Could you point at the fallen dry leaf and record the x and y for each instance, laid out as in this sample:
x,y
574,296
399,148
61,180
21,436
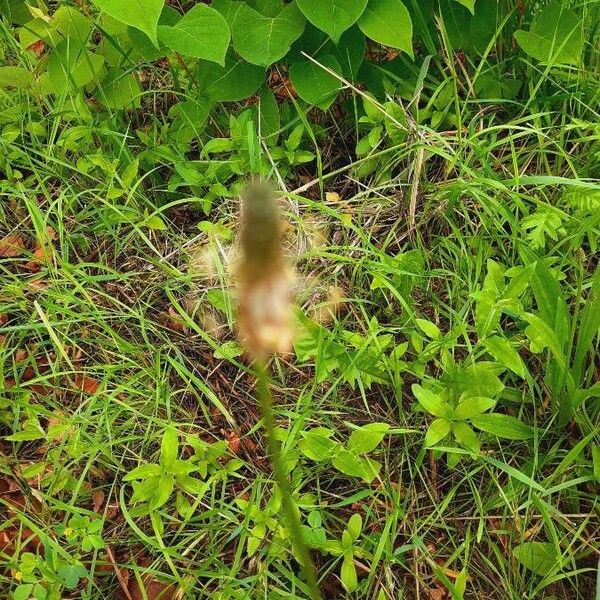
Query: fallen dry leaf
x,y
43,251
234,440
98,497
438,594
175,321
37,47
20,355
154,590
12,245
86,384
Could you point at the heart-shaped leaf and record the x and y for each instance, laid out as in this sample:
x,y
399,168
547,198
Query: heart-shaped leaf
x,y
264,40
201,33
389,23
332,16
141,14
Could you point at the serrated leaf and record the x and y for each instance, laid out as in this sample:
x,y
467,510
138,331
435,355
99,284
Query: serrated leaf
x,y
542,224
201,33
503,426
332,16
141,14
313,83
438,429
264,40
367,438
389,23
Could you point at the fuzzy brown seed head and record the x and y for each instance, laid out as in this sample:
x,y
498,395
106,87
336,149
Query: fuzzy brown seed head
x,y
263,276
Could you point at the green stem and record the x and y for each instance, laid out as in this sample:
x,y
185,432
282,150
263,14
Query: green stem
x,y
266,403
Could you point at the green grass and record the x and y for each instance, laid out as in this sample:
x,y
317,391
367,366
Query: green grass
x,y
125,333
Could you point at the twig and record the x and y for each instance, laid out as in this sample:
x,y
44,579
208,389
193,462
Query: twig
x,y
120,578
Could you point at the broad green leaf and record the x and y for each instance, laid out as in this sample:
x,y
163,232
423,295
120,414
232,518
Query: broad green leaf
x,y
470,407
470,4
235,80
71,574
70,23
26,435
350,52
120,90
169,448
539,557
316,444
23,591
501,349
351,464
143,45
268,117
555,36
201,33
332,16
431,330
478,379
354,526
388,22
313,83
143,472
15,11
141,14
348,573
503,426
190,119
438,429
367,438
16,77
163,491
465,436
543,336
71,64
431,402
264,40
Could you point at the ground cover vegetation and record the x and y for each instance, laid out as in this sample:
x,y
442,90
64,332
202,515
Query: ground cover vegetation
x,y
439,169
